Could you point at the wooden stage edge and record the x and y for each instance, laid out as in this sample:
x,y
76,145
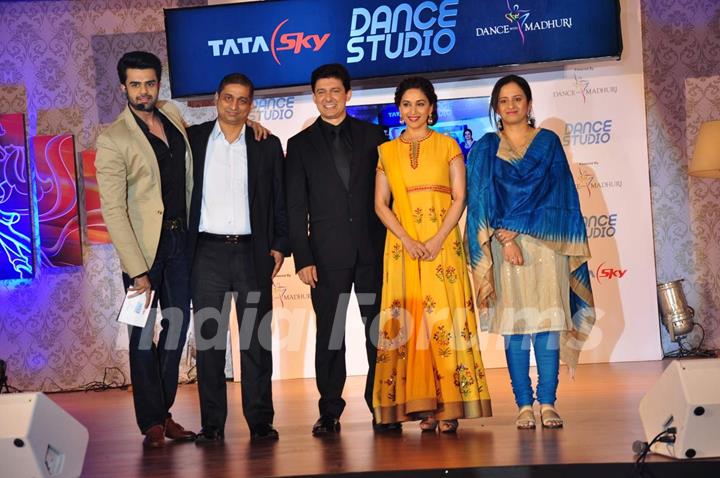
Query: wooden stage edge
x,y
600,408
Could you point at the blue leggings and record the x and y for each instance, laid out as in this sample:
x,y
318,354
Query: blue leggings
x,y
547,356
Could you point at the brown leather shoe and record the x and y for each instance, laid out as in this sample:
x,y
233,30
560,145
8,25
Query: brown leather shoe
x,y
154,437
175,431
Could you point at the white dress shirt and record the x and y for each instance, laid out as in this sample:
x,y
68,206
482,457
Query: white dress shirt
x,y
225,205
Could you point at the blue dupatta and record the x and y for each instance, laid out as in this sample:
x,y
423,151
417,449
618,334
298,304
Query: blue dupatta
x,y
533,195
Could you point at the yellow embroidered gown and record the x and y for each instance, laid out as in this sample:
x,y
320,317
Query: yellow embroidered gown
x,y
428,359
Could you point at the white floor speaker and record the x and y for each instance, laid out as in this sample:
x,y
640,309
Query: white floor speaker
x,y
687,397
38,439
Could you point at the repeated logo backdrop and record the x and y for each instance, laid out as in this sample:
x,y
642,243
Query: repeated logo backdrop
x,y
598,111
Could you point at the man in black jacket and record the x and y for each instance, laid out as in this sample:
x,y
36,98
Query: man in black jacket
x,y
336,239
237,240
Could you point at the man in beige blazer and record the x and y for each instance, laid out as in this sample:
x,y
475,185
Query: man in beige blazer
x,y
144,174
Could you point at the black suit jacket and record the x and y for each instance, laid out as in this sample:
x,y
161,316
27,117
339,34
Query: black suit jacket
x,y
330,226
268,216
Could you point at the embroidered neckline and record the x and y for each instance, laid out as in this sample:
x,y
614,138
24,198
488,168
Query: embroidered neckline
x,y
410,141
415,147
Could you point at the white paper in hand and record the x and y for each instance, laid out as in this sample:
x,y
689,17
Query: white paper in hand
x,y
133,311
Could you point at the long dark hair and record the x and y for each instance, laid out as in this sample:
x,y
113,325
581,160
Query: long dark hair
x,y
495,98
422,84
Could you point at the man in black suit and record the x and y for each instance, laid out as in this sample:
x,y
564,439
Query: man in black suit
x,y
238,241
336,239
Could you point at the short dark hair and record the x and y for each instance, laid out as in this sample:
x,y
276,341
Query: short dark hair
x,y
332,70
141,60
495,97
422,84
236,79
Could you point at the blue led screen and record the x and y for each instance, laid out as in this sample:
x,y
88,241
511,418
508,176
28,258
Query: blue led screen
x,y
278,43
463,119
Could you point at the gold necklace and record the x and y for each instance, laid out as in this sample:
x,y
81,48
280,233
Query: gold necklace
x,y
524,145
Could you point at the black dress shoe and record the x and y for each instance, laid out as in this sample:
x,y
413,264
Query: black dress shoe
x,y
263,432
209,436
326,426
386,427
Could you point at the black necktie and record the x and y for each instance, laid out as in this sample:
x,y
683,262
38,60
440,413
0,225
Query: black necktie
x,y
341,155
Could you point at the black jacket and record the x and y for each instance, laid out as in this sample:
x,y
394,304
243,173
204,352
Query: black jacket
x,y
332,227
268,216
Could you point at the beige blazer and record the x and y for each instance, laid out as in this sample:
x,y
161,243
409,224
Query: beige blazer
x,y
128,178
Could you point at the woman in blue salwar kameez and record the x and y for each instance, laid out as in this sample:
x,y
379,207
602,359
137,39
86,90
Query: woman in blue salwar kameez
x,y
528,249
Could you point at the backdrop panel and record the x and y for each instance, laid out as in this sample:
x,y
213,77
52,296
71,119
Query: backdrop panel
x,y
598,110
57,199
96,230
16,245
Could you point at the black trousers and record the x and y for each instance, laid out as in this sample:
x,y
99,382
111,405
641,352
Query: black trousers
x,y
219,271
330,299
154,368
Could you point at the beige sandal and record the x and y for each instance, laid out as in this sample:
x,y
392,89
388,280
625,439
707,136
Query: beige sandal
x,y
550,417
428,424
525,419
448,426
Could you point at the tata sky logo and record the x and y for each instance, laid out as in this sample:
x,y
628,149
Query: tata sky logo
x,y
601,226
582,88
604,273
390,32
272,109
518,20
586,181
293,42
587,133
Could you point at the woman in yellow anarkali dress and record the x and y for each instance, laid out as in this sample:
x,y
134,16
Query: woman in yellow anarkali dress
x,y
428,364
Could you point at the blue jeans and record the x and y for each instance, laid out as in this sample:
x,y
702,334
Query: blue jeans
x,y
547,357
154,368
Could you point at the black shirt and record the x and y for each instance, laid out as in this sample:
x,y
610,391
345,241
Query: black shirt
x,y
171,160
345,133
339,141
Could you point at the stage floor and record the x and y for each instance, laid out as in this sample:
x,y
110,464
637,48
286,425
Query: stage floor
x,y
599,407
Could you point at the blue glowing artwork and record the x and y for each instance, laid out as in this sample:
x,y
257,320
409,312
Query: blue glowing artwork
x,y
16,256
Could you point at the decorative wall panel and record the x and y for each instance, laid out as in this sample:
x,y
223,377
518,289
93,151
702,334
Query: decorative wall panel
x,y
57,200
681,42
16,245
96,232
59,330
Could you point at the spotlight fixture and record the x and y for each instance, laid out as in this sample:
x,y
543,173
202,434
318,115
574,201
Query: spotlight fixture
x,y
676,314
677,317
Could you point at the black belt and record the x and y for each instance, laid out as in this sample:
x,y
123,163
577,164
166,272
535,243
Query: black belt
x,y
226,238
173,224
